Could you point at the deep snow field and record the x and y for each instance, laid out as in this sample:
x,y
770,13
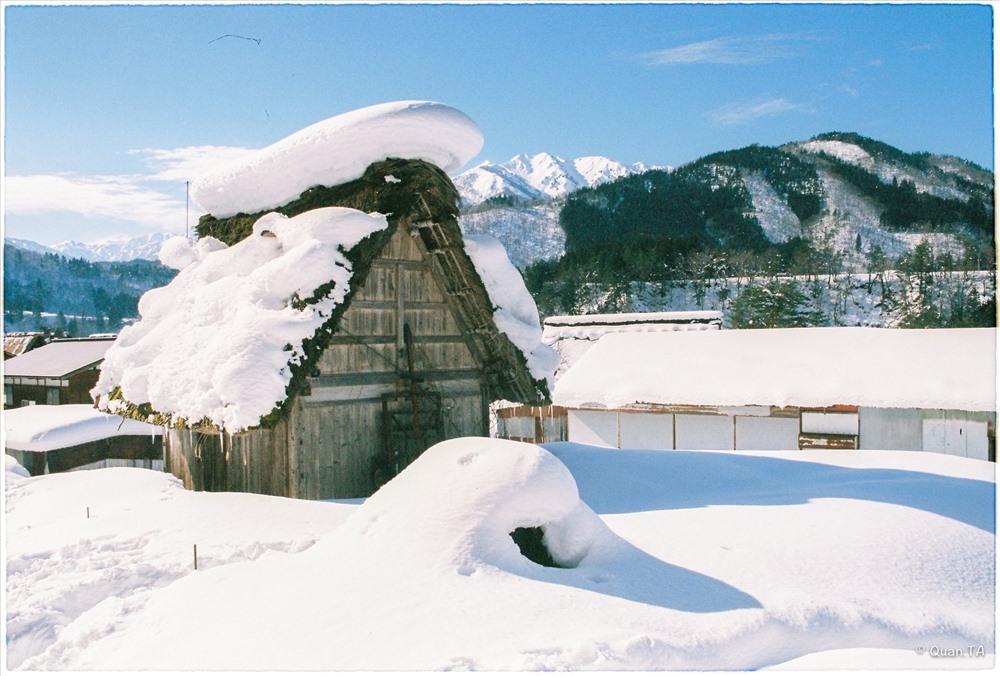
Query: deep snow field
x,y
673,560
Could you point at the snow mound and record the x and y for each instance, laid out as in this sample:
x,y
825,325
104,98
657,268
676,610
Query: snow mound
x,y
338,150
216,343
516,314
46,428
483,490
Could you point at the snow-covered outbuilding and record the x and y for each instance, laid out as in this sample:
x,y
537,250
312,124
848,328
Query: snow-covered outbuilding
x,y
49,439
60,372
19,342
331,322
783,389
571,336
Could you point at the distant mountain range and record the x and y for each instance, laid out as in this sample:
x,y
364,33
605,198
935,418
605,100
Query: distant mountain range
x,y
538,177
839,191
115,250
839,196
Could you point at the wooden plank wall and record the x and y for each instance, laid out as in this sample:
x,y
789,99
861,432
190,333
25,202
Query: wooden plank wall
x,y
133,450
333,434
337,429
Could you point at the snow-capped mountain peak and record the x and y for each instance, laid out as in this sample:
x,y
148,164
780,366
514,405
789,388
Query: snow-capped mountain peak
x,y
121,248
118,249
539,176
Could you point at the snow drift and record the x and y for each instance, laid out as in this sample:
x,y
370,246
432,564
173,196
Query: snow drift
x,y
746,560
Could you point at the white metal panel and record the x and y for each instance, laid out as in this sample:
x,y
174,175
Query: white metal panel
x,y
519,426
952,433
977,440
597,428
704,432
767,434
890,429
829,423
646,430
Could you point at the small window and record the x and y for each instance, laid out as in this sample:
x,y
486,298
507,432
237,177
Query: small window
x,y
8,395
52,396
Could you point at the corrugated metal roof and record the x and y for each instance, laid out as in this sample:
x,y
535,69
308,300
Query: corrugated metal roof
x,y
59,358
15,344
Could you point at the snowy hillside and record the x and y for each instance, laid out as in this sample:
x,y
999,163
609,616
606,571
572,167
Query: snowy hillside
x,y
538,177
821,558
28,245
529,233
528,192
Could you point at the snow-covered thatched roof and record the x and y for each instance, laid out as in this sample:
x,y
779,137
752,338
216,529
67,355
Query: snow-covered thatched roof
x,y
231,340
894,368
338,150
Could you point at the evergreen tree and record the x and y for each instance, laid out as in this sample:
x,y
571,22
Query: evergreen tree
x,y
777,303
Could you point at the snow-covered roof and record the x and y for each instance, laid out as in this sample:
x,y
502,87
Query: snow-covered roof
x,y
47,428
574,335
58,359
223,342
15,344
894,368
217,342
636,318
516,314
338,150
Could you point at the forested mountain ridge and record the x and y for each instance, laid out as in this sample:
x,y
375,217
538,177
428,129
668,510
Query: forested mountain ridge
x,y
838,192
73,296
757,196
831,206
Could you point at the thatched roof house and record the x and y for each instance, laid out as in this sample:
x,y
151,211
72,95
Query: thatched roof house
x,y
403,343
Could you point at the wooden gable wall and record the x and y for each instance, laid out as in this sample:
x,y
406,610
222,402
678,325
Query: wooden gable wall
x,y
333,435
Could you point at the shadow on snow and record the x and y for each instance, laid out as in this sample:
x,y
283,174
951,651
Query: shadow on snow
x,y
613,481
634,575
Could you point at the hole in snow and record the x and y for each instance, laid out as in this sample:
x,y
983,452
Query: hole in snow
x,y
530,540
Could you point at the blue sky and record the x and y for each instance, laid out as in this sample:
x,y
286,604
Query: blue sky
x,y
109,109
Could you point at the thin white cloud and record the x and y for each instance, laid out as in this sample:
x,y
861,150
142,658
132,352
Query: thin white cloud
x,y
117,198
730,50
152,201
744,112
187,164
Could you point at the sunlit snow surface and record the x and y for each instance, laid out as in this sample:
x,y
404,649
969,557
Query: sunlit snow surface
x,y
338,150
678,560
